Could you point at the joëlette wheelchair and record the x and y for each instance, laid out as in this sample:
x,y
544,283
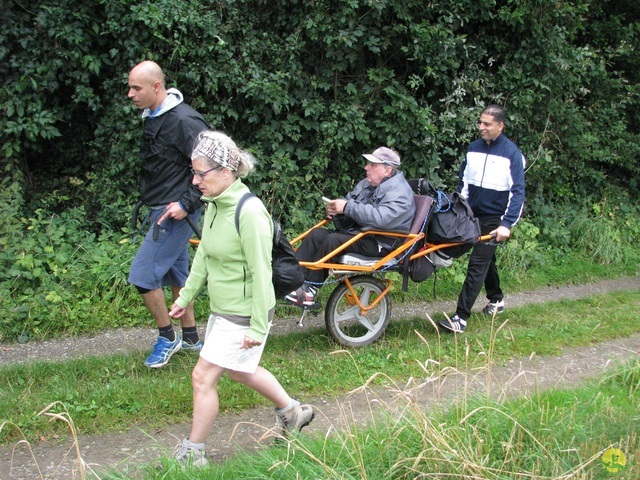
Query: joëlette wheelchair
x,y
359,308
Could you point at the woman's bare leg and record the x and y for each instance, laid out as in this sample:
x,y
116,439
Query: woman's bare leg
x,y
204,378
263,382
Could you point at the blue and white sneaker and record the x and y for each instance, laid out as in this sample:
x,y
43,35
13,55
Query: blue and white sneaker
x,y
163,351
192,347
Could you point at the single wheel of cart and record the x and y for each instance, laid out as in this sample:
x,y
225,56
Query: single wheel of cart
x,y
358,310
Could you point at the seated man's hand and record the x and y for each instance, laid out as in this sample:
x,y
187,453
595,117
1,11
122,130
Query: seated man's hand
x,y
336,207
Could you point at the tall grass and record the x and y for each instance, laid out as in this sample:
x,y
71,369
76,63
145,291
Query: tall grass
x,y
597,237
482,433
558,434
56,412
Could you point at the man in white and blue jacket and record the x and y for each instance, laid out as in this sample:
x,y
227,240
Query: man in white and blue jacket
x,y
492,181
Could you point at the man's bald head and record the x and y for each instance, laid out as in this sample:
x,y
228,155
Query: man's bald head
x,y
146,85
150,71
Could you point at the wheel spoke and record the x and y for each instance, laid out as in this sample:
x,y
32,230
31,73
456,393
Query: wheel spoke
x,y
354,313
364,298
364,321
348,314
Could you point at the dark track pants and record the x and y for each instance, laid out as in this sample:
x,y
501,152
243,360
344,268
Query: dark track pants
x,y
481,270
321,241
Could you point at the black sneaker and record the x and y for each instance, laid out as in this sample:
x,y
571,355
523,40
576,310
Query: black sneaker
x,y
454,324
493,308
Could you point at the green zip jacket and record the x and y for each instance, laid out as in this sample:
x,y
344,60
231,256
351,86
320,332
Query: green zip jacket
x,y
236,268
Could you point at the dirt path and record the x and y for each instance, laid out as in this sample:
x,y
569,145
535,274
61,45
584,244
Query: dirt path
x,y
125,451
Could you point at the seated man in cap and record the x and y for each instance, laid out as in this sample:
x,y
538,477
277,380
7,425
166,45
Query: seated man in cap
x,y
383,200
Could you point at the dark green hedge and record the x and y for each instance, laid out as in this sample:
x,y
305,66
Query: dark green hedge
x,y
309,86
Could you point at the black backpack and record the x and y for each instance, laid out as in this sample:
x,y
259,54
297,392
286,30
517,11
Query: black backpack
x,y
453,220
454,223
287,274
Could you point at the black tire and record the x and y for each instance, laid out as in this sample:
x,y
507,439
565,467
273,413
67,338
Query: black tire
x,y
343,319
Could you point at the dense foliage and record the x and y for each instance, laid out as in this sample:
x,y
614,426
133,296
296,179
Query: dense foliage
x,y
308,87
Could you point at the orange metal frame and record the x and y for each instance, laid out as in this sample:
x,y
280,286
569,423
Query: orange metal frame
x,y
345,270
353,297
324,261
410,241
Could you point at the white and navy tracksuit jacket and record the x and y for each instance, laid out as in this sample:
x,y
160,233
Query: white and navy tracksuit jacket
x,y
492,180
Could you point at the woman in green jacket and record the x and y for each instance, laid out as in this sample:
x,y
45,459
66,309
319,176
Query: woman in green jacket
x,y
237,269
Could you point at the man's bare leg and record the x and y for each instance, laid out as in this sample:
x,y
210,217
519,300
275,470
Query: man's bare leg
x,y
156,303
188,319
191,340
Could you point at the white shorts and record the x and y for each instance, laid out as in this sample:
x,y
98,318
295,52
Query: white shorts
x,y
222,344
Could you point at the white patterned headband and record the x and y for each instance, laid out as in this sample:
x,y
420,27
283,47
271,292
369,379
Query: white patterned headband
x,y
215,151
